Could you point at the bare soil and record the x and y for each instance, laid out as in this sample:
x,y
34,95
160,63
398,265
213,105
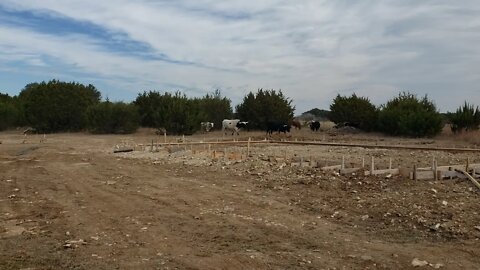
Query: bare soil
x,y
69,202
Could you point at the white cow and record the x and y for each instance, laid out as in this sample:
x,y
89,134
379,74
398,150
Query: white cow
x,y
228,124
206,126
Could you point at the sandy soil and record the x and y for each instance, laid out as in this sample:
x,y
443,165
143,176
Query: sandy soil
x,y
69,202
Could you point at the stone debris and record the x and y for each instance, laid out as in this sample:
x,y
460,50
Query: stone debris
x,y
418,263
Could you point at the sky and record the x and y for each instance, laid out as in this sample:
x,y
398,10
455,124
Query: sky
x,y
312,50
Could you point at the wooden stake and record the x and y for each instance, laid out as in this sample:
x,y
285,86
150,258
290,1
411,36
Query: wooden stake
x,y
248,146
415,172
363,162
434,168
390,164
372,166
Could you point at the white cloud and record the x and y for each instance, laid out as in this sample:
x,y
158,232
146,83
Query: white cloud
x,y
310,49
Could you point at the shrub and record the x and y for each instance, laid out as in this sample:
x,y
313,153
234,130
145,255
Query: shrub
x,y
465,118
176,113
406,115
57,106
265,106
9,115
113,118
358,111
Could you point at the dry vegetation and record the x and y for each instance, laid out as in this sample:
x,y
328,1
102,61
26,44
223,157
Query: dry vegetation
x,y
70,203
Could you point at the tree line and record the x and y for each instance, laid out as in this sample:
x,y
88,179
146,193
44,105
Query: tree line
x,y
57,106
403,115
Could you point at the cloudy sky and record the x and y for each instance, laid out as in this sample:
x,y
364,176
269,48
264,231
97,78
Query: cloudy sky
x,y
311,49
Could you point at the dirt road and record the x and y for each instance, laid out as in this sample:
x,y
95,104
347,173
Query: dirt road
x,y
70,203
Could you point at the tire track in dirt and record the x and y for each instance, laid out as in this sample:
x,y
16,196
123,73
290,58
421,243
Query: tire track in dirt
x,y
172,216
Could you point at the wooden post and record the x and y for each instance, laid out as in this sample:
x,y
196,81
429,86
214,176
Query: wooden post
x,y
372,166
248,146
434,168
415,172
390,164
225,153
301,161
343,162
363,162
285,155
165,137
151,147
214,153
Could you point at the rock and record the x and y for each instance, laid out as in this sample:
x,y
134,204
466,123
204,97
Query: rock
x,y
435,227
366,257
365,217
477,227
417,263
437,265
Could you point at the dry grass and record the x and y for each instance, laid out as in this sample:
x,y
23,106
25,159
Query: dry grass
x,y
470,137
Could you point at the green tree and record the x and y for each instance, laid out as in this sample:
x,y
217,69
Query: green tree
x,y
174,112
265,106
58,106
9,113
113,118
214,108
406,115
465,118
358,111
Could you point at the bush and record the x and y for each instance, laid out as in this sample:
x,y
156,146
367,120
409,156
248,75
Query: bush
x,y
465,118
57,106
265,106
9,115
113,118
406,115
358,111
214,108
176,113
11,112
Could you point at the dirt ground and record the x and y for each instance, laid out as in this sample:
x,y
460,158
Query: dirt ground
x,y
69,202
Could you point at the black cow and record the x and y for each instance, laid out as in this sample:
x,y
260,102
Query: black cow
x,y
314,125
243,125
279,127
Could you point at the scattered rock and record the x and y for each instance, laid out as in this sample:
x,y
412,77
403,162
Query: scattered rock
x,y
418,263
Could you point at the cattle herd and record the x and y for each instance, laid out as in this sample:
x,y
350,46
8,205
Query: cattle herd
x,y
235,125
